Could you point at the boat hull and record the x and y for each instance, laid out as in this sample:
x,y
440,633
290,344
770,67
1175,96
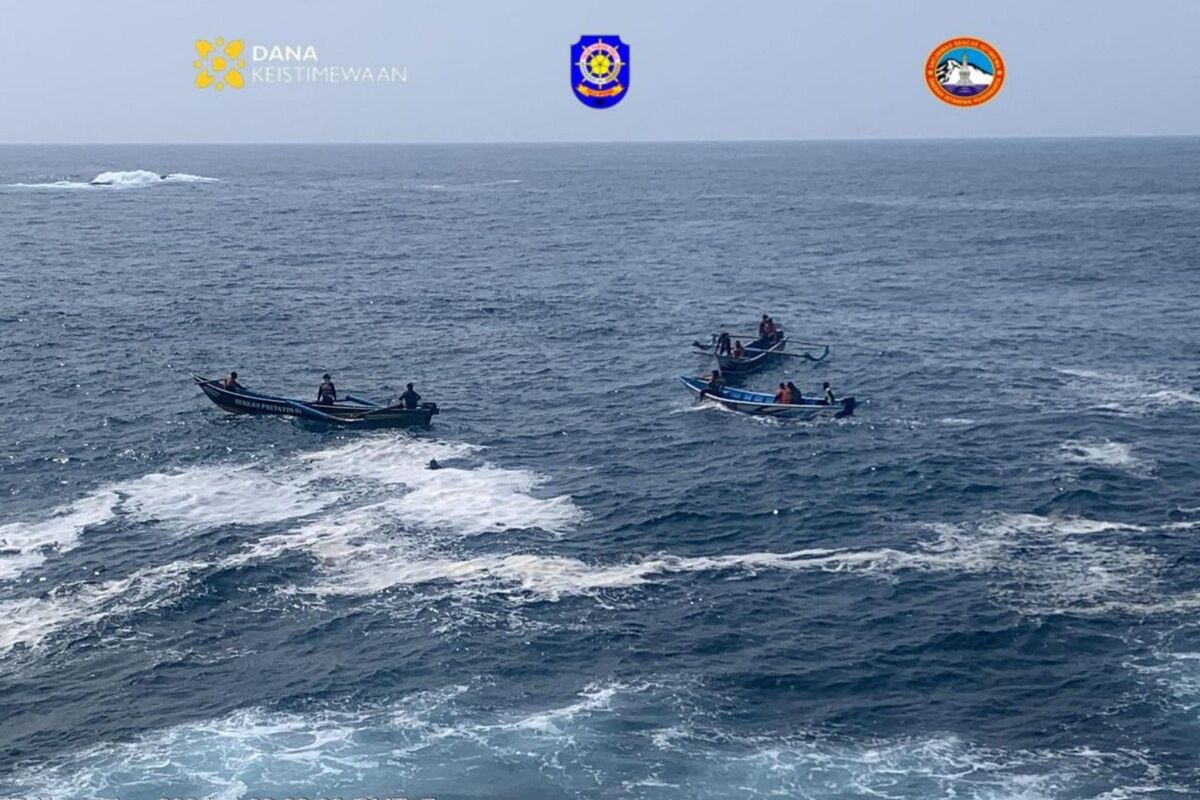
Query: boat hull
x,y
764,405
357,413
736,367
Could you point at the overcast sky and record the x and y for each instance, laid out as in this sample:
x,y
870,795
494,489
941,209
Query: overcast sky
x,y
121,70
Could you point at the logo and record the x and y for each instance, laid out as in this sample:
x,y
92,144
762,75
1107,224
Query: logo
x,y
964,72
219,64
234,64
600,70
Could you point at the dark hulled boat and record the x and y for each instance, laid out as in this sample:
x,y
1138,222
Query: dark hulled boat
x,y
348,411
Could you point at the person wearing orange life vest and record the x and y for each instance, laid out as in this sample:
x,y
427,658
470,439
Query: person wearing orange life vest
x,y
784,396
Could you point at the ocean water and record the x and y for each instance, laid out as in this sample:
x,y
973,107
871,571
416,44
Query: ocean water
x,y
984,585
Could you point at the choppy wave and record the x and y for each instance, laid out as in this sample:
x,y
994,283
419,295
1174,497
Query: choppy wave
x,y
120,179
1102,453
446,742
1127,394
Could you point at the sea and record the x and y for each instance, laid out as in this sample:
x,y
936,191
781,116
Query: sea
x,y
985,584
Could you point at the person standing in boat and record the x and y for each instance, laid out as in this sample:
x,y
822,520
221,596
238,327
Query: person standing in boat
x,y
783,397
326,393
410,398
231,383
723,346
827,396
796,396
715,385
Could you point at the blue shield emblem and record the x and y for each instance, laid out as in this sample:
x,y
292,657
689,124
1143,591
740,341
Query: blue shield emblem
x,y
600,70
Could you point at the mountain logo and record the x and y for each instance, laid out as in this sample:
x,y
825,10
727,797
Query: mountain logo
x,y
964,72
600,70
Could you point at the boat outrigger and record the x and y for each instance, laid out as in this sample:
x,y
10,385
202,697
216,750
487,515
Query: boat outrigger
x,y
350,410
763,404
759,354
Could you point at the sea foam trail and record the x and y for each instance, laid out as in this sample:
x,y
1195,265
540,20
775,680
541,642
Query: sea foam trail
x,y
206,497
457,500
553,577
448,738
1130,395
1036,565
31,621
1102,453
121,179
467,501
24,546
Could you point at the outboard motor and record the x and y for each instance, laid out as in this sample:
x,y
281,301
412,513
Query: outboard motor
x,y
431,406
848,405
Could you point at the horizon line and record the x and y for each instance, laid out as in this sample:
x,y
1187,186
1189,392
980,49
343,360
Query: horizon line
x,y
765,140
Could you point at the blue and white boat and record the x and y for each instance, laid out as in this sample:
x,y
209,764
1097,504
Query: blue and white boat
x,y
763,404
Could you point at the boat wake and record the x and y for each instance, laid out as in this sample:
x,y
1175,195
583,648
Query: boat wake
x,y
121,179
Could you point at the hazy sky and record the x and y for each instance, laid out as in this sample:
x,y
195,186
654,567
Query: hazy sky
x,y
121,71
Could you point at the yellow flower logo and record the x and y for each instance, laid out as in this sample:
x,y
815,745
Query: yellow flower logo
x,y
219,64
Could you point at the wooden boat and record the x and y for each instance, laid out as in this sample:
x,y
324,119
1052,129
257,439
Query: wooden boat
x,y
759,354
348,411
764,404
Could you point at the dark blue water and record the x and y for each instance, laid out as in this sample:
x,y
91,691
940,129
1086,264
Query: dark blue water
x,y
984,585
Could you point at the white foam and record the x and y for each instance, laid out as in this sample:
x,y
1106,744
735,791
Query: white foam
x,y
217,495
1103,453
467,501
574,748
23,546
1130,395
1048,565
379,569
30,622
120,179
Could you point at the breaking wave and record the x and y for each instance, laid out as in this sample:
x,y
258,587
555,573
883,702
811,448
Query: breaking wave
x,y
120,179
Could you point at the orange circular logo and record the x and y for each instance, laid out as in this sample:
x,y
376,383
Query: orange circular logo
x,y
964,71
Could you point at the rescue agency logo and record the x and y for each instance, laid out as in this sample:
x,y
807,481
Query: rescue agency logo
x,y
600,70
964,72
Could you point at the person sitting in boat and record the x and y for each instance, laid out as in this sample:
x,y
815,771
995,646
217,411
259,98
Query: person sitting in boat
x,y
738,350
723,346
796,396
326,393
231,383
773,333
784,396
410,398
715,385
768,334
827,396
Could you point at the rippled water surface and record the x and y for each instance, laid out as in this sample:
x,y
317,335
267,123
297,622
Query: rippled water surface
x,y
984,585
